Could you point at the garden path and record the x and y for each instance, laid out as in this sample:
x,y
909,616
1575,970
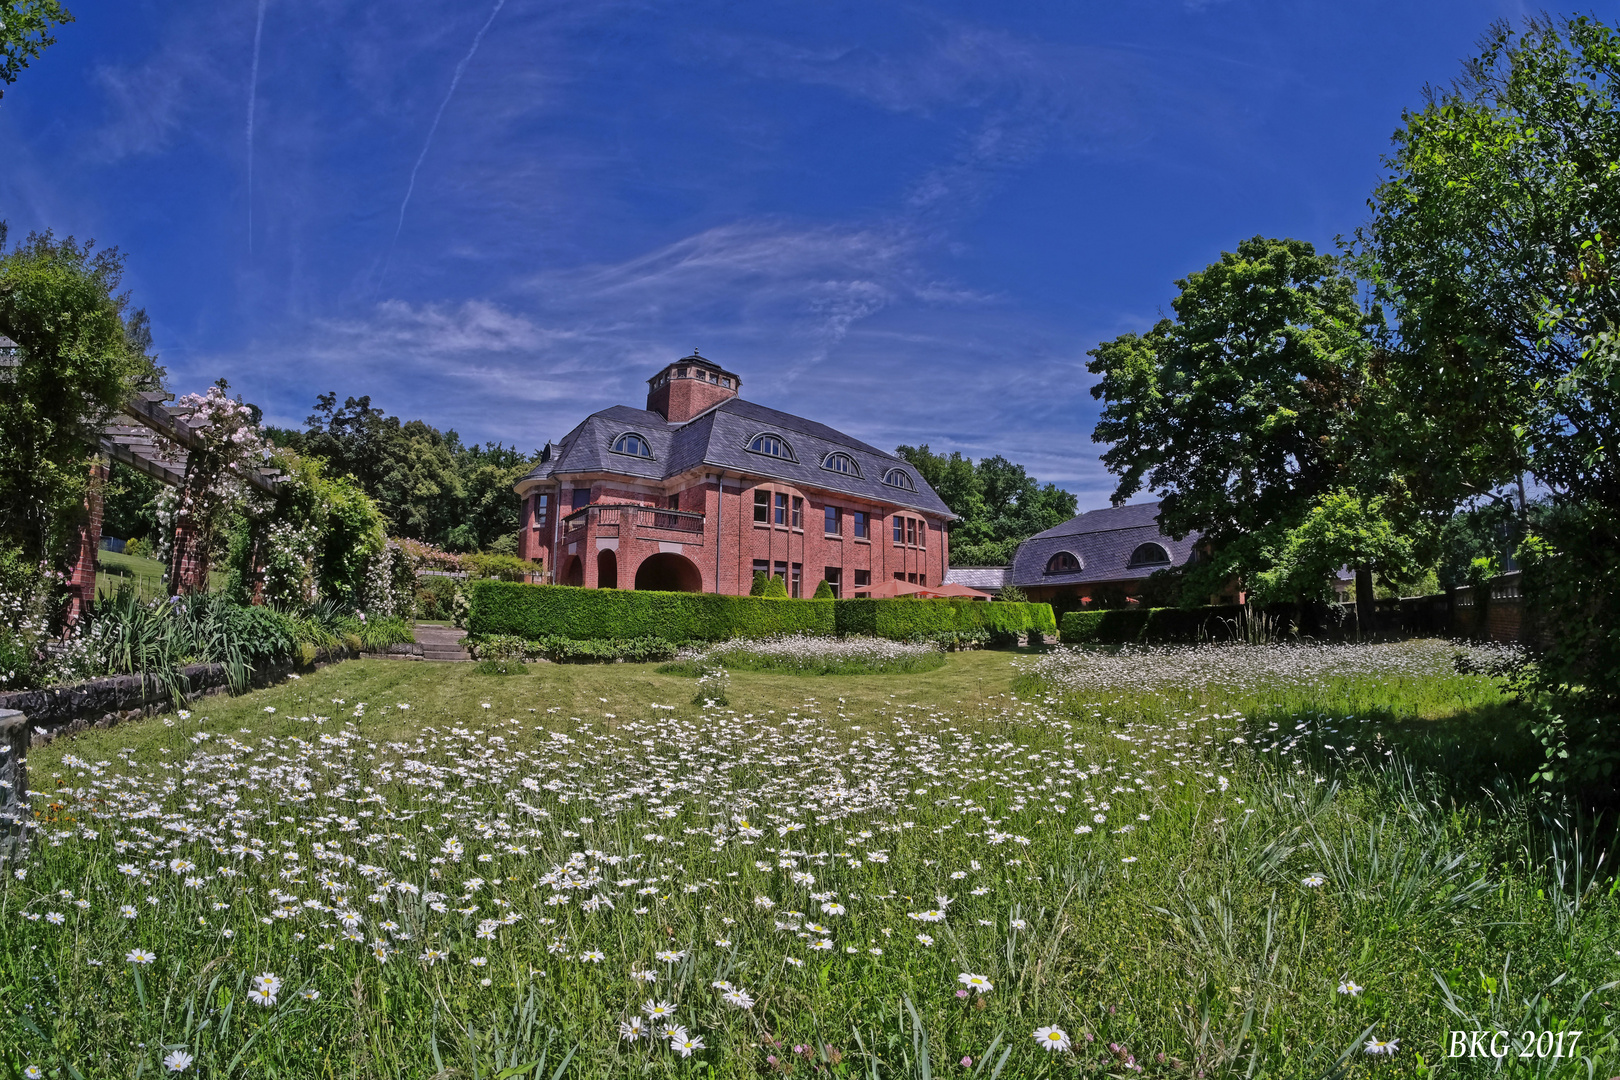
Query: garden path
x,y
441,642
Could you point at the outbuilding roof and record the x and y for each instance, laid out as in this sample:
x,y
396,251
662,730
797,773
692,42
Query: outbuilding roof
x,y
719,437
1102,543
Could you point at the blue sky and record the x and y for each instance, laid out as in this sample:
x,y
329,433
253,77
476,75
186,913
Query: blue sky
x,y
908,221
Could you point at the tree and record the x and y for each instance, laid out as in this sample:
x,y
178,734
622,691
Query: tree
x,y
25,32
998,505
1241,412
823,591
82,354
1492,241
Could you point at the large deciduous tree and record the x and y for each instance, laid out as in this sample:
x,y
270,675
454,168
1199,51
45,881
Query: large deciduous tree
x,y
82,353
25,32
1241,413
1493,242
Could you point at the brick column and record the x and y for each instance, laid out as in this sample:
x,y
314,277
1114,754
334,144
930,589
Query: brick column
x,y
87,540
188,563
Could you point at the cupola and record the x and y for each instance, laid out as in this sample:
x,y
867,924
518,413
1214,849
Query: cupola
x,y
690,386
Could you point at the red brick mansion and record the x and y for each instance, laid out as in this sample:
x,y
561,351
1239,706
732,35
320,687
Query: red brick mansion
x,y
701,489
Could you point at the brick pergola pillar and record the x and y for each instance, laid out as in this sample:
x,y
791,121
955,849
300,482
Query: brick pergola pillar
x,y
188,563
87,541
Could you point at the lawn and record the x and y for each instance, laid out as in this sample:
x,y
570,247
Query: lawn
x,y
1219,862
145,576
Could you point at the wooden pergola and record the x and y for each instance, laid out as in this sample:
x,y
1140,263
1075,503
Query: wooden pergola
x,y
152,438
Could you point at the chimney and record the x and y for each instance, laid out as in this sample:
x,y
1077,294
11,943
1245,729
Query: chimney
x,y
690,386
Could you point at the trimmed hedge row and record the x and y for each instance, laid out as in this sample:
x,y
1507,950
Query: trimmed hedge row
x,y
1138,626
538,611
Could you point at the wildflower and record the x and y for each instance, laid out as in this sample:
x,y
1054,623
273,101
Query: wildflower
x,y
1380,1046
594,956
1350,987
1019,924
975,982
264,989
1052,1038
178,1061
309,993
684,1044
632,1029
738,998
34,1072
925,939
55,918
793,961
658,1010
128,911
140,956
822,945
1314,881
670,956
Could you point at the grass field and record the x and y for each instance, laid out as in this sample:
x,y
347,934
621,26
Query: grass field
x,y
1226,862
145,576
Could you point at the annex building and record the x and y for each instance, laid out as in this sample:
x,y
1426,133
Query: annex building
x,y
701,489
1114,550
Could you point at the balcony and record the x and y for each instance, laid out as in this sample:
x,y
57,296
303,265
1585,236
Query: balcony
x,y
627,519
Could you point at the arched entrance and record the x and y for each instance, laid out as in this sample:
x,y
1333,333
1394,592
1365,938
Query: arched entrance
x,y
607,569
573,571
668,572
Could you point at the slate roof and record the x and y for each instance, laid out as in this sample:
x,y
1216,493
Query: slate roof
x,y
719,437
1103,541
988,578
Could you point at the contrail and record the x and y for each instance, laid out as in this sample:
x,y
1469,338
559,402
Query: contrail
x,y
455,80
253,97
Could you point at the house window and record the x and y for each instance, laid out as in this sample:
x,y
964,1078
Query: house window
x,y
834,526
1148,554
911,531
899,530
781,508
632,444
796,589
762,507
798,512
771,446
911,579
899,478
833,576
841,463
1064,562
859,517
863,579
579,497
542,507
899,575
674,502
781,572
922,579
762,566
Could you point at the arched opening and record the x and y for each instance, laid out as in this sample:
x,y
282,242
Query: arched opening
x,y
573,571
607,569
1064,562
1150,554
668,572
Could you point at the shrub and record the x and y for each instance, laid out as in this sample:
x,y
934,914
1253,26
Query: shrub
x,y
1119,626
823,591
435,597
538,611
761,583
498,566
775,589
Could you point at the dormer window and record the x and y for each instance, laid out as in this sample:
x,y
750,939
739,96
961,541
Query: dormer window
x,y
1064,562
1150,554
771,446
632,444
899,478
841,463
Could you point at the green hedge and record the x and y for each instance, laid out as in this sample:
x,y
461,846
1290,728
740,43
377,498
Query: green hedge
x,y
538,611
1149,625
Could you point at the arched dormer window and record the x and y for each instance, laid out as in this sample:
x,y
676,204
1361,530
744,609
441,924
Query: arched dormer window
x,y
841,463
899,478
632,444
771,446
1150,554
1064,562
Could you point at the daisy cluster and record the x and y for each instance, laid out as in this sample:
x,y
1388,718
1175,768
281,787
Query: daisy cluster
x,y
680,882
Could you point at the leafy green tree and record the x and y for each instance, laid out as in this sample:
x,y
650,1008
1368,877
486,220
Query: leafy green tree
x,y
25,32
1241,411
997,503
1493,242
81,356
760,585
1340,529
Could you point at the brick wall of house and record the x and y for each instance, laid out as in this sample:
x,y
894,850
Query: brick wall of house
x,y
724,554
